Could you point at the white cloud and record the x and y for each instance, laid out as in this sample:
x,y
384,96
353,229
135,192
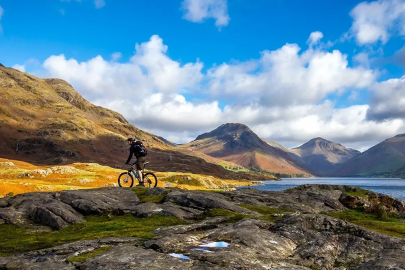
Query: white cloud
x,y
388,101
284,95
116,56
376,21
149,70
285,77
19,67
314,38
348,126
198,10
31,63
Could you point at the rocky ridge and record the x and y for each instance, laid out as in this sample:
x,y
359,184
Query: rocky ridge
x,y
302,237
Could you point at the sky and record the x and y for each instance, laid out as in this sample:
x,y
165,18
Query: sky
x,y
291,70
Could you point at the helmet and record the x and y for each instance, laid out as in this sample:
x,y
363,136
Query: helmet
x,y
130,139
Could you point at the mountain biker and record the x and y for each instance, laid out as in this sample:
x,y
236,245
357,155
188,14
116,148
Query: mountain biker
x,y
139,150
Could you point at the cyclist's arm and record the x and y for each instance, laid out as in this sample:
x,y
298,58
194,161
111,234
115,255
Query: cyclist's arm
x,y
131,153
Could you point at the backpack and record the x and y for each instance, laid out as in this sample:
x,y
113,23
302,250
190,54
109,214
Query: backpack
x,y
140,149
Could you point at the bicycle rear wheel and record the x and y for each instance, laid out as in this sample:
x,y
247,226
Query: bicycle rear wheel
x,y
125,180
150,180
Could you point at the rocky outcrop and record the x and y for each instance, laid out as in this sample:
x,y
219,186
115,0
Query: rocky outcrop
x,y
59,209
303,238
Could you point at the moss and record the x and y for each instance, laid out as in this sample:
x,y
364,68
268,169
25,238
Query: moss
x,y
359,192
140,192
231,217
14,239
182,180
83,257
265,210
392,226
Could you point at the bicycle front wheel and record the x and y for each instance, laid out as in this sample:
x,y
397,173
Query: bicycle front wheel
x,y
125,180
150,180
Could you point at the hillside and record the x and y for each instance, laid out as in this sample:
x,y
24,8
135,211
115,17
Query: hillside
x,y
322,156
386,159
45,122
237,143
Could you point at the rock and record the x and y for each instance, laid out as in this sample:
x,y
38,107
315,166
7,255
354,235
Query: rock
x,y
56,215
59,209
98,201
156,191
305,199
7,164
56,257
304,239
166,209
67,170
42,173
130,257
205,201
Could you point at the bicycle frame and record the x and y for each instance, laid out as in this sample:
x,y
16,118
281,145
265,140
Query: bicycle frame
x,y
133,170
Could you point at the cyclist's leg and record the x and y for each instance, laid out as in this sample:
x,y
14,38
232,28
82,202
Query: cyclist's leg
x,y
138,164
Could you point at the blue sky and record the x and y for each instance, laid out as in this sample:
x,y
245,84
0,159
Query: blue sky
x,y
289,69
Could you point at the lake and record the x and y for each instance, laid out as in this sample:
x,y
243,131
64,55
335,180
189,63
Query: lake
x,y
390,186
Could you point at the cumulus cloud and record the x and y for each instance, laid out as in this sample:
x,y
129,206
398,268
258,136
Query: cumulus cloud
x,y
377,20
287,76
148,71
282,96
314,38
198,10
348,126
116,56
388,101
19,67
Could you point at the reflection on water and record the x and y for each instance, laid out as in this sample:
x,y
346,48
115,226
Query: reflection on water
x,y
215,244
390,186
180,256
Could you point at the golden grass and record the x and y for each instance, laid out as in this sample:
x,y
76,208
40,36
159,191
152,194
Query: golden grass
x,y
24,177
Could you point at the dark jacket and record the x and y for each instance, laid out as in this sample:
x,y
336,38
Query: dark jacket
x,y
136,150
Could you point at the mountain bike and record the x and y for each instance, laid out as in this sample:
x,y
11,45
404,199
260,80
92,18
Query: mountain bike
x,y
126,179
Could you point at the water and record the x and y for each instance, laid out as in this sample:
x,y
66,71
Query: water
x,y
390,186
179,255
215,244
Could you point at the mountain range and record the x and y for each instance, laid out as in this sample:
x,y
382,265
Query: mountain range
x,y
237,143
45,121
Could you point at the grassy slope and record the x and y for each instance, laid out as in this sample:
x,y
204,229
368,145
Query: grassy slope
x,y
24,177
386,159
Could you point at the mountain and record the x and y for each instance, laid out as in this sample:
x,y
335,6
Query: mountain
x,y
237,143
322,156
45,122
386,159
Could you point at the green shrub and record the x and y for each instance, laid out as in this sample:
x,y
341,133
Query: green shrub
x,y
392,226
182,180
14,239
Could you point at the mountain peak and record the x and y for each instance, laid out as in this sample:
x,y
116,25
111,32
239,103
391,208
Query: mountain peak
x,y
322,155
234,129
320,142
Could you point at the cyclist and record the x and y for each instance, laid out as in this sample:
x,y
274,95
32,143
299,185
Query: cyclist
x,y
138,149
